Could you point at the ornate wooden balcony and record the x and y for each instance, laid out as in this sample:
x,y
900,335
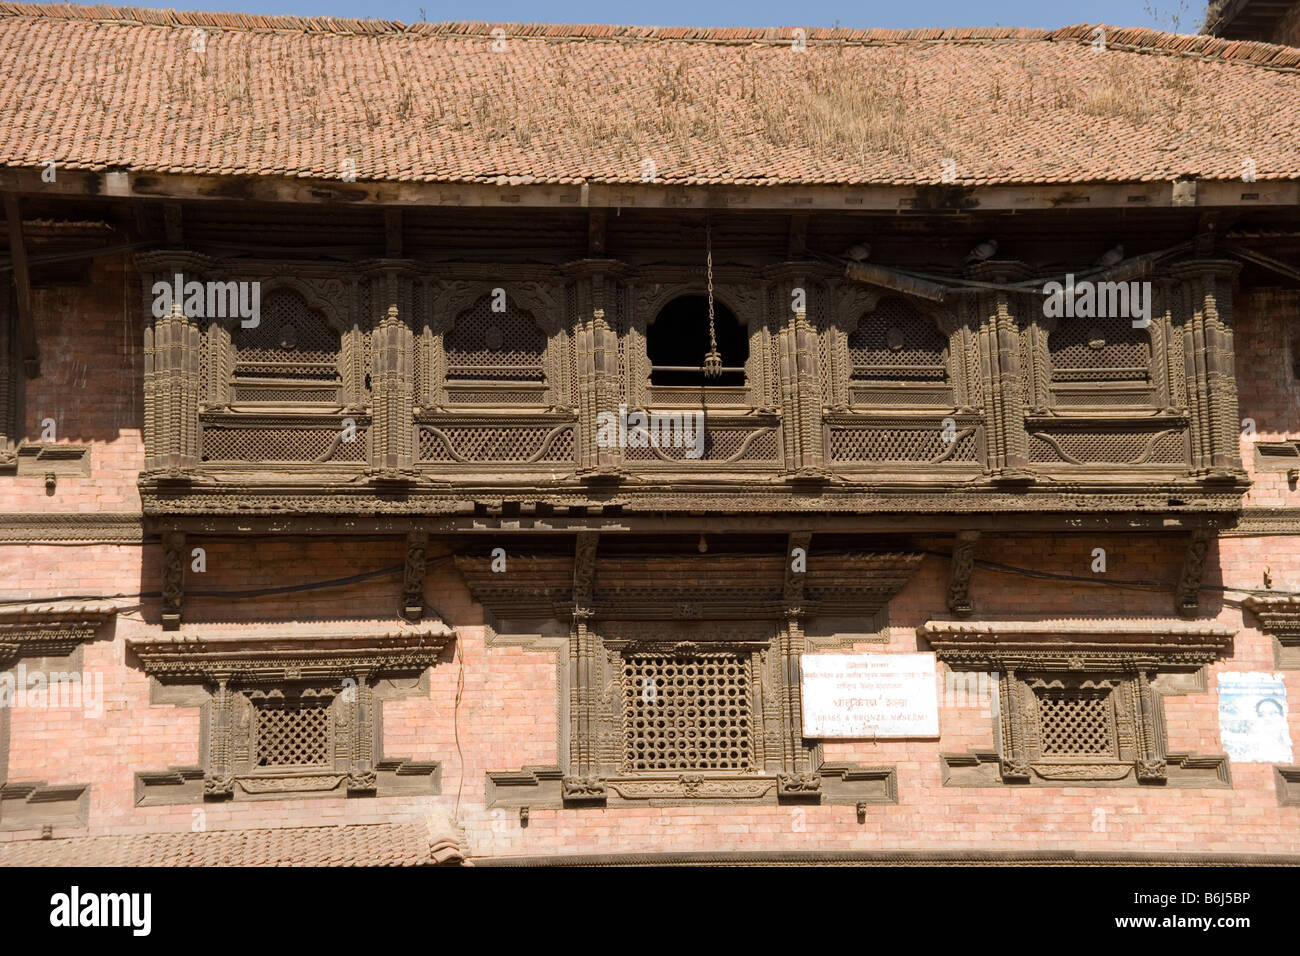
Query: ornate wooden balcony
x,y
392,387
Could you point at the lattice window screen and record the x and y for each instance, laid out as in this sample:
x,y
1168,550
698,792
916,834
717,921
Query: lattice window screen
x,y
1099,350
292,341
494,346
687,713
293,734
896,343
1076,723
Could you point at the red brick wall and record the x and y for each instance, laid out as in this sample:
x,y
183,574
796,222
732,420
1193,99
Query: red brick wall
x,y
507,713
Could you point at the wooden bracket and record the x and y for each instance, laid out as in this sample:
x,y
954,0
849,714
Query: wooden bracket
x,y
173,225
417,545
393,233
173,579
963,563
1187,596
793,588
596,233
798,238
584,568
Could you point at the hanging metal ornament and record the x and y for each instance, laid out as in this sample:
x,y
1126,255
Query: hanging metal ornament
x,y
712,359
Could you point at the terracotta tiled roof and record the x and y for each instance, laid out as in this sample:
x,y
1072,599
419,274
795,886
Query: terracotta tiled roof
x,y
380,844
100,88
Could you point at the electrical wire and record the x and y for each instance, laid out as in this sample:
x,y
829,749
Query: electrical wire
x,y
1139,585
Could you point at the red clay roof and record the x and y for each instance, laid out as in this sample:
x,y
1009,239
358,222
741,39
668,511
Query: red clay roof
x,y
106,87
379,844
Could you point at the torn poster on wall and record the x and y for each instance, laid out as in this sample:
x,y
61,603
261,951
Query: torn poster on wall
x,y
1253,718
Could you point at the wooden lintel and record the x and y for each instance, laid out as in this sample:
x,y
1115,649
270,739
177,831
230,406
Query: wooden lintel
x,y
29,350
1019,524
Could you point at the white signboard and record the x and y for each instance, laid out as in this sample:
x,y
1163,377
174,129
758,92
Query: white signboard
x,y
870,695
1252,718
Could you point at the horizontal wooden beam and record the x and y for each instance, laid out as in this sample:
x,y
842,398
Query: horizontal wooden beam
x,y
659,524
515,192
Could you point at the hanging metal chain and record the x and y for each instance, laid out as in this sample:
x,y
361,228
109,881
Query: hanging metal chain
x,y
712,360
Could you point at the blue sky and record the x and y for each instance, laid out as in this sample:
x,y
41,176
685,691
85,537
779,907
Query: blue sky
x,y
811,13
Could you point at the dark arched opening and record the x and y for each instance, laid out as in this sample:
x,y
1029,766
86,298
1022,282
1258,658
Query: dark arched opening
x,y
678,340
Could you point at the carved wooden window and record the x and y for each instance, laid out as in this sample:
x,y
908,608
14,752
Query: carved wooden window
x,y
691,712
895,343
1076,721
1100,350
291,715
290,356
292,732
1082,706
488,346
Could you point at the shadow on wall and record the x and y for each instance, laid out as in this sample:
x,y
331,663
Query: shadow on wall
x,y
1044,578
91,385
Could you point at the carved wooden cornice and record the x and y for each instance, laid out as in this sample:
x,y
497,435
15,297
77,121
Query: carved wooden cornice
x,y
1280,614
688,587
49,630
262,657
108,526
1077,644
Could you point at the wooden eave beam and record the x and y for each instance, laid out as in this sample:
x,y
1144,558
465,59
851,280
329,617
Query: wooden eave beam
x,y
27,344
796,198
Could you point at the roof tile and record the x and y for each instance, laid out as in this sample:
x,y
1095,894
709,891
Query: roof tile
x,y
122,87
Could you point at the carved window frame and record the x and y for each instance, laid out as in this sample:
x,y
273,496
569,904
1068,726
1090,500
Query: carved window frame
x,y
884,407
224,371
751,606
450,414
229,679
1138,663
946,395
746,297
1151,417
447,302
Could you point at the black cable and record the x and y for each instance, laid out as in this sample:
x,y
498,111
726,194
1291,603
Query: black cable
x,y
256,592
382,572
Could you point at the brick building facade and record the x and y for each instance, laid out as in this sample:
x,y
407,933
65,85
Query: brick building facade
x,y
362,581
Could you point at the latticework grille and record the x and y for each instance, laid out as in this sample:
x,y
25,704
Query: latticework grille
x,y
1132,448
902,444
293,734
687,713
496,396
503,443
1099,350
894,343
719,445
282,444
486,345
291,340
253,392
1076,723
